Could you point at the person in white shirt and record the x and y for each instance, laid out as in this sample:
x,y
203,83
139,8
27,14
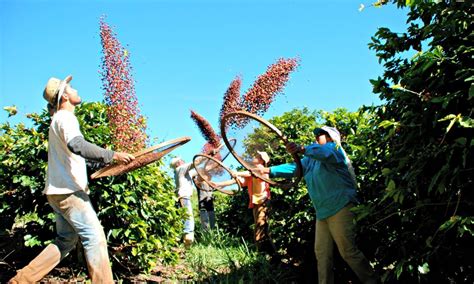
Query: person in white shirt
x,y
183,176
67,191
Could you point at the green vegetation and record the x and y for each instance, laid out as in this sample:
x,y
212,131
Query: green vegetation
x,y
412,155
419,166
222,258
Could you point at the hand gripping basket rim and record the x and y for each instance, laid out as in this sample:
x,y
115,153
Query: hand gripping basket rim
x,y
142,158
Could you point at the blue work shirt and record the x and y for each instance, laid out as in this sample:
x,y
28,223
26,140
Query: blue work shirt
x,y
326,170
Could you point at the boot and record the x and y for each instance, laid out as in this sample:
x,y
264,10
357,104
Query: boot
x,y
38,267
188,240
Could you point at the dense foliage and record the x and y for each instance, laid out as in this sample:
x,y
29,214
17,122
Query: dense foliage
x,y
419,165
412,156
137,209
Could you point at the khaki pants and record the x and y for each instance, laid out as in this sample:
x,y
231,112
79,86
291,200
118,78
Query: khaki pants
x,y
75,219
339,229
262,237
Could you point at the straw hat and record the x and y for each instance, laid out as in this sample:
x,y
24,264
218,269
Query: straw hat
x,y
54,90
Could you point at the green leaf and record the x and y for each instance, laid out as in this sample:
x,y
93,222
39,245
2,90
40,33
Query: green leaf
x,y
448,117
391,185
116,232
434,180
461,141
466,122
438,100
134,251
449,223
453,118
388,123
31,241
143,233
424,269
386,171
399,269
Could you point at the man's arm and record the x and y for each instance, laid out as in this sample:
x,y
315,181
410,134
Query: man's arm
x,y
284,170
243,174
79,146
221,184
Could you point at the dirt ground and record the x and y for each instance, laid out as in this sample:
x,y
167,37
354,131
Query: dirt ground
x,y
70,274
14,256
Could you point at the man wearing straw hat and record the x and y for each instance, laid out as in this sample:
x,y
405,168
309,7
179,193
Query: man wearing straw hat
x,y
332,187
67,191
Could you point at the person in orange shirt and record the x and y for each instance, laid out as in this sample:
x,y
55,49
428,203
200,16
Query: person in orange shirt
x,y
259,199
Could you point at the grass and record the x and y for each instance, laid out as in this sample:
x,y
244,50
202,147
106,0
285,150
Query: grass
x,y
217,257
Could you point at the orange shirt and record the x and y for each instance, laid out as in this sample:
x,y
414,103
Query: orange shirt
x,y
258,190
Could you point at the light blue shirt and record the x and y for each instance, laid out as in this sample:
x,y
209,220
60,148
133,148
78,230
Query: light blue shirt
x,y
327,172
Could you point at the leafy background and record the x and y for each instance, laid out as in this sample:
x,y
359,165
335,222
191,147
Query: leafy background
x,y
412,155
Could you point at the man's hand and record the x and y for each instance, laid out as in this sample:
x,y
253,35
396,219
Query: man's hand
x,y
123,157
242,174
294,148
261,170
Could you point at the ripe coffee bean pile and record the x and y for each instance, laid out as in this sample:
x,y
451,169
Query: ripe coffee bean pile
x,y
206,130
232,101
258,98
127,125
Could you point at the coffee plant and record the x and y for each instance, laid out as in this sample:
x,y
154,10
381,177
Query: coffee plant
x,y
419,162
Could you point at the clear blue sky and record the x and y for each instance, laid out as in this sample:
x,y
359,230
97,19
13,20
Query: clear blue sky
x,y
185,54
